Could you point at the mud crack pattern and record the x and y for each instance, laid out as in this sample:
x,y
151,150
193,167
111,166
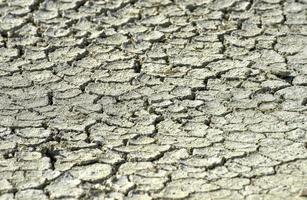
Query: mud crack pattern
x,y
153,99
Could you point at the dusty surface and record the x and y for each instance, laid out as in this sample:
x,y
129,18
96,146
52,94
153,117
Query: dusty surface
x,y
153,99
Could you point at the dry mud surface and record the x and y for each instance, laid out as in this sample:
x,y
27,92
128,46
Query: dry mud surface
x,y
153,99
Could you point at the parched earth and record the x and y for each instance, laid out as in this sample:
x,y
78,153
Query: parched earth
x,y
153,99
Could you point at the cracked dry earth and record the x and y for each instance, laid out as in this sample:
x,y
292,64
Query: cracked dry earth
x,y
153,99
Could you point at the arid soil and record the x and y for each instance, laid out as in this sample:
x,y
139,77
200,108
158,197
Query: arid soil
x,y
153,99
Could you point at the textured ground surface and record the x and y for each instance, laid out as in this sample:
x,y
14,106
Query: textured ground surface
x,y
153,99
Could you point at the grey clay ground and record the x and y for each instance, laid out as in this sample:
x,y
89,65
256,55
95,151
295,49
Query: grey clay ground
x,y
153,99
